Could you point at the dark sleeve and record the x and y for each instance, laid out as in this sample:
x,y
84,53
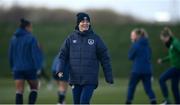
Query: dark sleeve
x,y
37,54
104,58
10,54
132,52
64,54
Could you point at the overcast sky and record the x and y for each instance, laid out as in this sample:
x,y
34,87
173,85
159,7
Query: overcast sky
x,y
160,10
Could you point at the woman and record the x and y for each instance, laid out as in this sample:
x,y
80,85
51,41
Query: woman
x,y
140,55
25,59
173,73
63,81
84,50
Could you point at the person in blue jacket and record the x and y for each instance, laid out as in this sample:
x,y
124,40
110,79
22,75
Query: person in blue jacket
x,y
140,55
63,81
84,50
25,59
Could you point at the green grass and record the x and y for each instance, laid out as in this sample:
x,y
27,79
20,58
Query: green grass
x,y
116,37
104,94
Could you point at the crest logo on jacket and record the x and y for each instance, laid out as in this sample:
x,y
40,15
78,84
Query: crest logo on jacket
x,y
90,41
74,41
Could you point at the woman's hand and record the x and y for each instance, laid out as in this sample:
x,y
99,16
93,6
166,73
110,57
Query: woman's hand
x,y
60,74
38,72
159,61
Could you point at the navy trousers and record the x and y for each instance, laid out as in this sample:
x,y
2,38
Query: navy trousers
x,y
82,93
134,80
172,74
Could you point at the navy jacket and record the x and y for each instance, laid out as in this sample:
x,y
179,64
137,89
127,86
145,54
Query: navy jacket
x,y
57,63
140,54
24,52
84,51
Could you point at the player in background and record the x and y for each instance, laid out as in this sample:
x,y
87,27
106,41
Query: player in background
x,y
62,81
25,59
172,73
140,55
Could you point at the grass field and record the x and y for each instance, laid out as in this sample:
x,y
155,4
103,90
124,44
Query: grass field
x,y
104,94
116,36
51,34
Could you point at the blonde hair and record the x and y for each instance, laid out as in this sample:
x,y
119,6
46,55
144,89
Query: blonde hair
x,y
140,32
166,32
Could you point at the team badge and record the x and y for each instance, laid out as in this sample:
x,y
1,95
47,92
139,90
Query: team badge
x,y
90,41
74,41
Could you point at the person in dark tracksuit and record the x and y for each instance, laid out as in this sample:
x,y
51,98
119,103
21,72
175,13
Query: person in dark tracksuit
x,y
140,54
84,50
42,75
25,59
63,81
173,73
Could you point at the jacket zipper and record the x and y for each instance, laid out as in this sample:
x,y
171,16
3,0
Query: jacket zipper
x,y
81,40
